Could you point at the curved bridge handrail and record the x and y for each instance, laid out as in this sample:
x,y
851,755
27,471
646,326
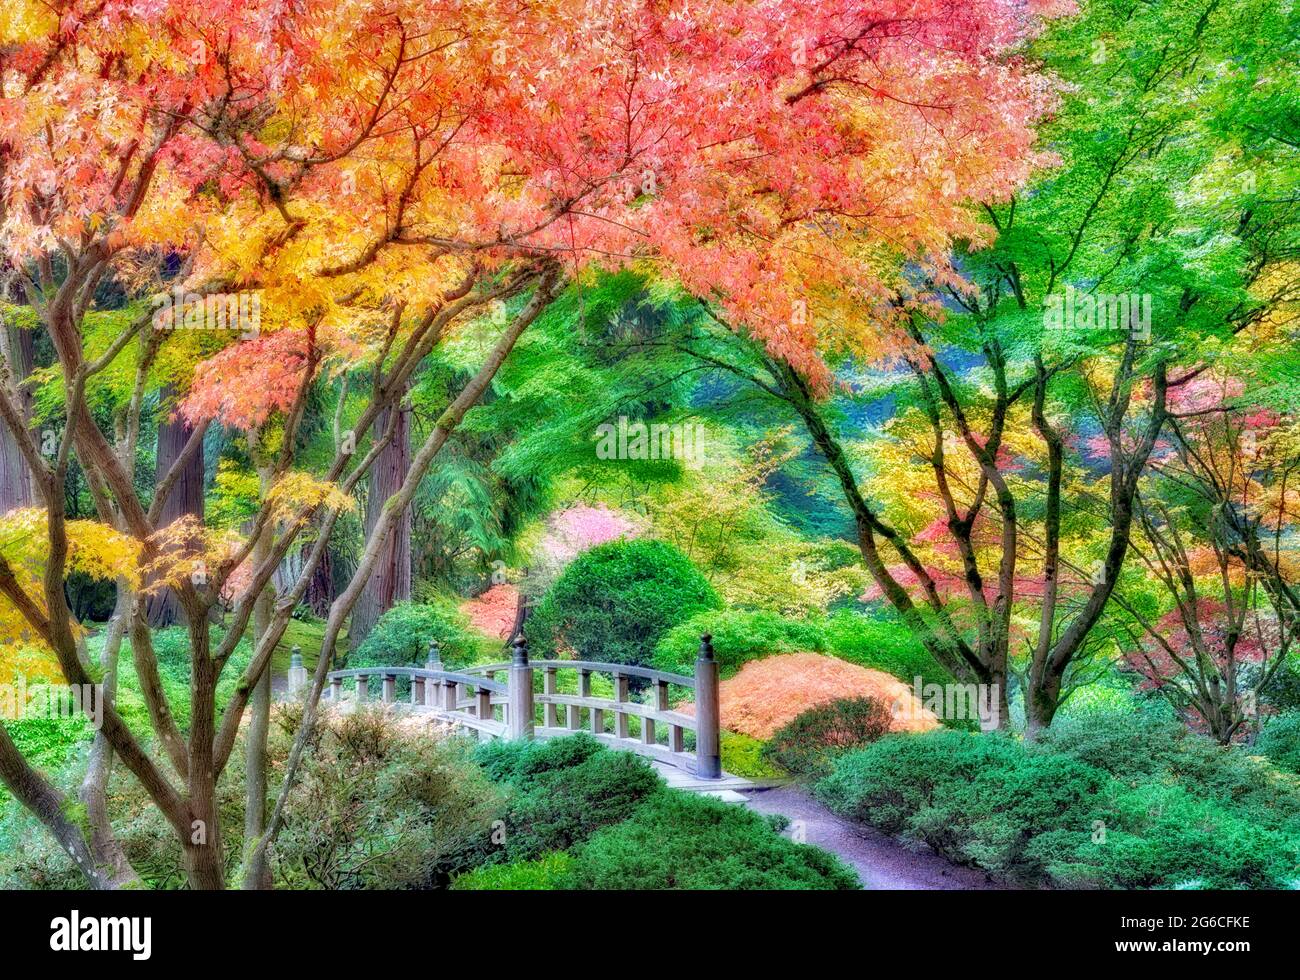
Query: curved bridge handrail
x,y
487,668
472,697
626,670
423,673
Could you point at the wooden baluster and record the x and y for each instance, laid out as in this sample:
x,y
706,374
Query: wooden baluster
x,y
449,696
676,741
658,702
661,696
584,691
417,691
597,717
390,687
483,706
620,696
551,714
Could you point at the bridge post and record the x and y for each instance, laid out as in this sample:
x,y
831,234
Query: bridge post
x,y
708,746
297,672
362,692
433,663
519,714
390,686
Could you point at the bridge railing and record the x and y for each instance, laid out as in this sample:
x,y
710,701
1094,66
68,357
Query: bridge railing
x,y
475,698
471,700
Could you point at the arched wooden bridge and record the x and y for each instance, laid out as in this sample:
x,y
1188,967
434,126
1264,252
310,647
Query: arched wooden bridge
x,y
476,699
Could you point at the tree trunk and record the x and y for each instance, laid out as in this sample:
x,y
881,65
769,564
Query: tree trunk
x,y
47,803
259,724
320,590
391,581
105,848
164,608
15,475
202,852
443,428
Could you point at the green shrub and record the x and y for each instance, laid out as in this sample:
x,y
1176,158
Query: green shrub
x,y
738,637
1130,744
521,762
742,755
1039,815
1152,745
1157,836
882,642
614,602
565,790
808,746
548,872
681,840
402,636
1280,741
376,807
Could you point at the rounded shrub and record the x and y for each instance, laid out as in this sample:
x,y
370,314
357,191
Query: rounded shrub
x,y
883,642
809,745
402,636
614,602
738,636
380,807
681,840
1037,815
564,790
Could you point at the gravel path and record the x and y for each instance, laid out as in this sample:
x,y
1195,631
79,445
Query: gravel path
x,y
880,861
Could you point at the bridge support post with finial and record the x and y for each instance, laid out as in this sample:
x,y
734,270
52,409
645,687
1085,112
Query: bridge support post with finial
x,y
519,716
297,672
708,745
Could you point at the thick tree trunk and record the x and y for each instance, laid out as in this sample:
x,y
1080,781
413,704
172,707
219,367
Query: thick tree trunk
x,y
1042,698
15,475
391,581
164,608
202,852
320,590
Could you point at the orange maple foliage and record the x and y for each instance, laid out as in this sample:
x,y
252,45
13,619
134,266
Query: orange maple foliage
x,y
493,612
770,693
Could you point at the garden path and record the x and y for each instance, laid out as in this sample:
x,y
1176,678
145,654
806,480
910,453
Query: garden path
x,y
880,861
